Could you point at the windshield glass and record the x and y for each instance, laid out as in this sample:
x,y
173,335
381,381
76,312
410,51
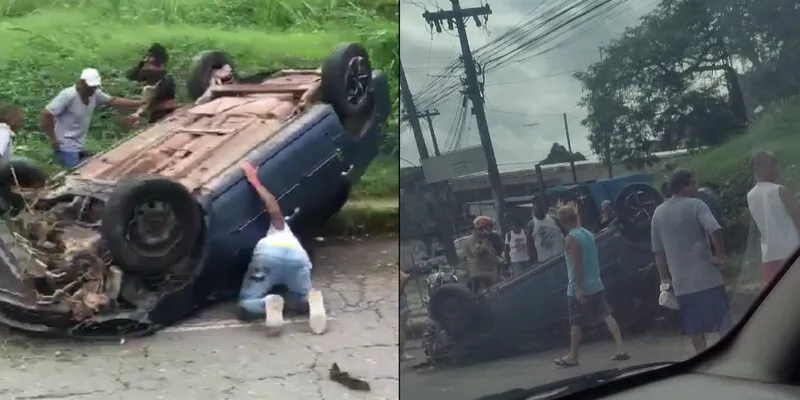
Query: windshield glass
x,y
588,185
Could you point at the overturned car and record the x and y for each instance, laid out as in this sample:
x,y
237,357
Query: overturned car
x,y
479,320
140,236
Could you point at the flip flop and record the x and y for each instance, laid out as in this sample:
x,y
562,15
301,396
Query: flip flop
x,y
563,362
620,357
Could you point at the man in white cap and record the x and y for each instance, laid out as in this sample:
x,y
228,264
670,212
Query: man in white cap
x,y
66,118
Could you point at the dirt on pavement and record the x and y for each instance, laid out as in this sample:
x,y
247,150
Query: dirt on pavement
x,y
215,357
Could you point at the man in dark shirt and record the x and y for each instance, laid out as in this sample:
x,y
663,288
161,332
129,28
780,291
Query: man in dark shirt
x,y
158,86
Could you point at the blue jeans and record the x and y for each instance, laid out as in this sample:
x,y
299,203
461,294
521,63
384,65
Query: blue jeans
x,y
69,159
274,266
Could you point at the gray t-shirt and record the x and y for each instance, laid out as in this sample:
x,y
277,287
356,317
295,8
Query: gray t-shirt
x,y
680,229
73,117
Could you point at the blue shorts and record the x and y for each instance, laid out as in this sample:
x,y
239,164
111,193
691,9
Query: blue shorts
x,y
706,311
69,159
272,266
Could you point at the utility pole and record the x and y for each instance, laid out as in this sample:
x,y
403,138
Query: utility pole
x,y
443,220
569,148
456,17
411,111
428,114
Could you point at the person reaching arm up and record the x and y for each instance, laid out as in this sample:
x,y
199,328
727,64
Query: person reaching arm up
x,y
278,259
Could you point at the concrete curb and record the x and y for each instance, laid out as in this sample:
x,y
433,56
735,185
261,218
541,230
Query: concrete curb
x,y
366,216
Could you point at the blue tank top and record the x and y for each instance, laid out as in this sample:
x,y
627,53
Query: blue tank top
x,y
591,263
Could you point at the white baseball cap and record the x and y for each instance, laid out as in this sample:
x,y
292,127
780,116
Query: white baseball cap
x,y
91,76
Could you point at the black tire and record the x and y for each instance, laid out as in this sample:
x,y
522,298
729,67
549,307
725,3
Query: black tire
x,y
480,283
200,71
634,207
28,173
123,204
454,307
347,81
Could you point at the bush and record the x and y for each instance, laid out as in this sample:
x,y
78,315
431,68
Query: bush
x,y
48,42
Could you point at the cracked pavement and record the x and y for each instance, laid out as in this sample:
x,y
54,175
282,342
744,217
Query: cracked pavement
x,y
215,357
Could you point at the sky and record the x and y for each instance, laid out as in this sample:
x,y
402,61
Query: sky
x,y
534,92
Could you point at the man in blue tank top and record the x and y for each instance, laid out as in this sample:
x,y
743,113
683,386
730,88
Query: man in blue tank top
x,y
585,292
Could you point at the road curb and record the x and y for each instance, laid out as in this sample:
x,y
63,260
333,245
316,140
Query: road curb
x,y
367,216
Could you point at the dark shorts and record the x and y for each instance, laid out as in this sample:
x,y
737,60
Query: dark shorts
x,y
589,314
706,311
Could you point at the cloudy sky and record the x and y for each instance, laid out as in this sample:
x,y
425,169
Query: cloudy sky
x,y
536,91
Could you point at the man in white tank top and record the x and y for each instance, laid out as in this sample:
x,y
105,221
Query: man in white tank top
x,y
775,213
517,248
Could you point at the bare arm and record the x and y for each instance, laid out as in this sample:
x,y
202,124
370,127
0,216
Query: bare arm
x,y
574,253
661,265
271,204
710,224
48,126
119,102
787,198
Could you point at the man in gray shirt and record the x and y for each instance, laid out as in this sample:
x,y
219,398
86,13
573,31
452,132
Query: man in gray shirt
x,y
67,117
680,230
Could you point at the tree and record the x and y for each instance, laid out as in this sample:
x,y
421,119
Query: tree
x,y
559,154
679,78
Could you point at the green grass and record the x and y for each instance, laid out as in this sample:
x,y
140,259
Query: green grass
x,y
776,131
48,42
380,180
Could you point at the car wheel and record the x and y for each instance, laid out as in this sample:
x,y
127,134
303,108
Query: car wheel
x,y
18,172
200,71
634,207
347,81
150,223
454,307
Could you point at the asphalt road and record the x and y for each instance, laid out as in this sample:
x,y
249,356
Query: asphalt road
x,y
529,370
215,357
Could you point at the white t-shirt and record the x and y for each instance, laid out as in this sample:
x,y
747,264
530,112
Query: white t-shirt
x,y
282,238
547,238
517,246
779,236
6,138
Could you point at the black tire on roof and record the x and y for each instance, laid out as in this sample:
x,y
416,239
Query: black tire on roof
x,y
633,207
200,71
347,81
454,307
125,203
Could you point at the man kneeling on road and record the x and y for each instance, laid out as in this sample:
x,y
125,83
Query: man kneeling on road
x,y
278,259
66,119
585,291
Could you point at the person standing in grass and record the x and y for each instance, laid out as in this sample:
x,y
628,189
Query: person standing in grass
x,y
405,311
680,232
278,259
586,300
158,87
67,117
11,121
775,213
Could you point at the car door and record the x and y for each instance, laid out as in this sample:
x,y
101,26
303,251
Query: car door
x,y
319,165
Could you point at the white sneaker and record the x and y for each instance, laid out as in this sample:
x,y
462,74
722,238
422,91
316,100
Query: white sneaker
x,y
317,319
274,306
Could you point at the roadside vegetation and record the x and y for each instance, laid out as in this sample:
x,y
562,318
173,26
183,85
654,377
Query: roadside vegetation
x,y
48,42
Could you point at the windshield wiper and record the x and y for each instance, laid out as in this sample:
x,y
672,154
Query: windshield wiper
x,y
571,385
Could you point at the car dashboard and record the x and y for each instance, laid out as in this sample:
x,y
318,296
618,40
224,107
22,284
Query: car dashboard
x,y
698,385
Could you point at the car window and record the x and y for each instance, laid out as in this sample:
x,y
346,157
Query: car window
x,y
666,125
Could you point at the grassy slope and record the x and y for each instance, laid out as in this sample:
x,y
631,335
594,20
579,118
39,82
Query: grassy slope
x,y
777,132
48,42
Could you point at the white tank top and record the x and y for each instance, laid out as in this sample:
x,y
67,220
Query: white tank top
x,y
779,236
517,246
